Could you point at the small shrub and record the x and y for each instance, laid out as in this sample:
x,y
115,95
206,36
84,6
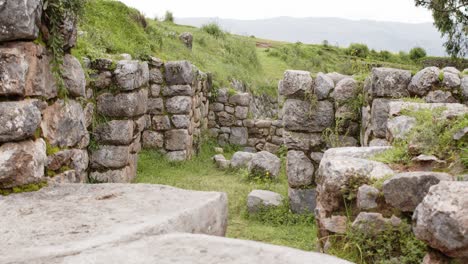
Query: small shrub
x,y
281,216
169,17
213,29
417,53
358,50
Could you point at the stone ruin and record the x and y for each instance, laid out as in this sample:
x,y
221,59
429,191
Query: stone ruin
x,y
94,134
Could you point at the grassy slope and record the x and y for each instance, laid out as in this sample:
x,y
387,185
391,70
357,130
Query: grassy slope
x,y
110,28
201,174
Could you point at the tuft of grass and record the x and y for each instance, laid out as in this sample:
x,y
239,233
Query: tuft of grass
x,y
213,29
278,227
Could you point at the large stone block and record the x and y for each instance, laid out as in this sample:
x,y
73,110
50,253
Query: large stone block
x,y
379,117
440,219
19,120
299,169
25,70
177,90
179,105
181,121
301,116
156,76
131,75
406,190
123,104
115,132
387,82
239,136
161,123
424,81
74,76
302,200
261,199
241,159
20,19
123,175
242,99
177,139
22,163
323,86
107,211
153,140
75,159
302,141
296,83
110,157
179,72
345,90
64,125
155,106
265,164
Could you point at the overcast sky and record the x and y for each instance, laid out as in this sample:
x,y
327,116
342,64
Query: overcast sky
x,y
382,10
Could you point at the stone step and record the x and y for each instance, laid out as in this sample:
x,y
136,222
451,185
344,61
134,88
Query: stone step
x,y
69,219
194,249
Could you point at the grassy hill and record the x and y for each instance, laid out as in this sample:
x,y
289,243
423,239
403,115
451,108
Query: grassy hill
x,y
109,28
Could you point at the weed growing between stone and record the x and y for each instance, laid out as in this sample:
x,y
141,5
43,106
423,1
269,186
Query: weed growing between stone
x,y
278,226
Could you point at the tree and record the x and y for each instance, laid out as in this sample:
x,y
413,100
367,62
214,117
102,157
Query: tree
x,y
451,19
417,53
169,17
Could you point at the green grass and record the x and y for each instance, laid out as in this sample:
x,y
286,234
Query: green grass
x,y
278,226
109,28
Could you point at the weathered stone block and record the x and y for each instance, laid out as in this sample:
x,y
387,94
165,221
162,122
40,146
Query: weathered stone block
x,y
110,157
424,81
74,76
115,132
379,117
22,163
265,164
242,112
20,19
179,105
19,120
301,116
179,72
156,76
181,121
242,99
161,123
155,106
323,86
302,141
177,139
299,169
296,83
178,90
131,75
123,104
261,199
64,124
367,197
387,82
345,90
153,140
239,136
75,159
302,200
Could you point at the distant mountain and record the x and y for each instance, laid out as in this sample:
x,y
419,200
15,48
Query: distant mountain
x,y
392,36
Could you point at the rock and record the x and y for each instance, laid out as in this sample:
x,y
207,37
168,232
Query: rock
x,y
451,80
75,159
460,134
316,157
296,83
123,175
153,140
64,124
354,152
156,76
345,90
399,127
199,249
102,81
22,163
179,105
301,116
177,156
367,197
272,148
452,70
155,106
387,82
405,191
223,96
131,75
396,108
20,20
260,199
108,212
336,224
155,62
123,104
323,86
68,30
25,70
242,112
299,169
177,139
242,99
115,132
336,173
181,121
379,117
265,164
89,114
427,159
424,81
374,223
187,39
110,157
302,141
464,88
302,201
179,72
439,96
225,119
239,136
221,161
19,120
434,257
73,76
102,64
161,123
440,219
217,107
178,90
378,142
337,77
241,159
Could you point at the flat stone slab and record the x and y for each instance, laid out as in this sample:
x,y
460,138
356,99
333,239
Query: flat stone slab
x,y
195,249
66,220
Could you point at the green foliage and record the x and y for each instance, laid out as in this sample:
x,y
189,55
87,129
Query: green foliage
x,y
213,29
394,245
201,173
417,53
169,17
358,50
280,216
33,187
51,150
